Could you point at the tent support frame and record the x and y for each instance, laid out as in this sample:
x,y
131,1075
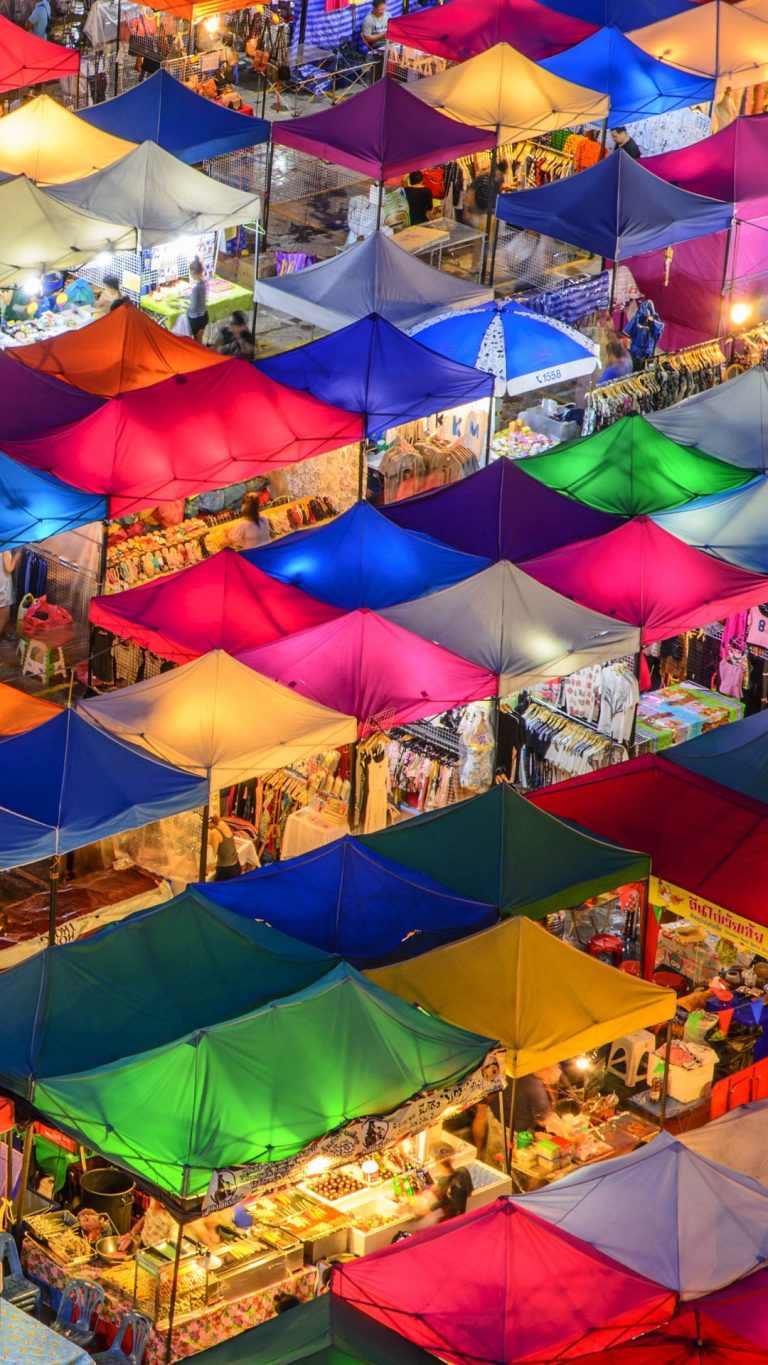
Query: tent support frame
x,y
101,584
261,231
26,1162
54,872
361,471
117,49
665,1076
490,433
490,210
204,841
509,1139
379,204
172,1301
352,808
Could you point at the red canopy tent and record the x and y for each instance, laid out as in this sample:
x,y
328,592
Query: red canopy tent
x,y
26,59
385,675
643,575
500,1285
466,27
190,433
223,603
693,1338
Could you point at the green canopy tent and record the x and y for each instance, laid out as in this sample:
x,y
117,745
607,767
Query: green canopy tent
x,y
490,847
632,469
335,1069
325,1331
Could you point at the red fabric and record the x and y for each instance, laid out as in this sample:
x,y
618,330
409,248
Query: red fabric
x,y
222,603
742,1307
643,575
188,434
500,1285
693,1338
472,26
703,838
26,59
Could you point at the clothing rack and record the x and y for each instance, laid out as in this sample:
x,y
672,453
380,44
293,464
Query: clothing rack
x,y
670,377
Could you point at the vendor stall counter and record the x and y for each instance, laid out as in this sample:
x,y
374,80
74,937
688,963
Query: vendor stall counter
x,y
169,303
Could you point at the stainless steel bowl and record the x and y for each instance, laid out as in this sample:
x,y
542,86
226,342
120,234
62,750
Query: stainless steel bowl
x,y
109,1250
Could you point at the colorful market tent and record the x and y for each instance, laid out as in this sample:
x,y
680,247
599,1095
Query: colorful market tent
x,y
702,839
193,716
35,505
85,999
497,846
123,350
160,196
729,421
534,1292
741,1307
381,132
622,14
732,527
715,39
40,401
615,209
324,1331
36,231
500,513
346,899
735,1140
472,26
732,164
520,348
642,574
631,469
367,667
686,1222
163,110
26,59
19,712
45,141
508,95
376,276
187,434
373,368
734,756
361,559
48,778
359,1052
495,979
194,11
691,1338
223,602
517,628
638,85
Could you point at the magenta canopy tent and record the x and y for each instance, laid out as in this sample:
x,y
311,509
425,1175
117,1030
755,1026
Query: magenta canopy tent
x,y
464,28
384,674
40,401
730,165
643,575
384,131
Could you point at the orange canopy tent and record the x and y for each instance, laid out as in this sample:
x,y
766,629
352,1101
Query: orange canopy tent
x,y
199,9
122,351
19,713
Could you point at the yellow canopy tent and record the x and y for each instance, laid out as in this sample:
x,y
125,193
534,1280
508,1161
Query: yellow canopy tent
x,y
544,1000
728,42
45,141
503,91
37,233
19,713
220,719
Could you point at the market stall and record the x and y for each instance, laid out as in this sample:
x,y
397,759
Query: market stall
x,y
536,30
725,44
726,421
639,86
26,1341
40,233
29,60
44,141
34,505
735,1140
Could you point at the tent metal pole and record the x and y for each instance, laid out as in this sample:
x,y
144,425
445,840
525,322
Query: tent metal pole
x,y
729,242
26,1162
489,433
489,211
191,38
636,666
494,248
379,205
204,842
603,137
509,1145
117,49
303,21
645,911
352,808
361,471
614,273
100,586
665,1077
54,870
172,1302
261,236
503,1123
9,1167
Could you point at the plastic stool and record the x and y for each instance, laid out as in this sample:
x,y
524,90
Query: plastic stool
x,y
630,966
607,945
628,1054
42,661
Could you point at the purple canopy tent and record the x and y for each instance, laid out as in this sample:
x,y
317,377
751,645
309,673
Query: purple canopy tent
x,y
39,401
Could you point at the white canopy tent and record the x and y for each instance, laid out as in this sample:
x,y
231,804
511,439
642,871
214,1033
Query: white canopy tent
x,y
726,42
37,233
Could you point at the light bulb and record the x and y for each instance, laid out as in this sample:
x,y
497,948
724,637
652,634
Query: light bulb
x,y
740,312
583,1063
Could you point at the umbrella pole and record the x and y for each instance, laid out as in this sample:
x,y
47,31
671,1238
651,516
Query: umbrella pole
x,y
204,842
491,206
665,1077
172,1303
54,869
263,226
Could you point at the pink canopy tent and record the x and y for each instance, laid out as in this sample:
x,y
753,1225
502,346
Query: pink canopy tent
x,y
384,131
223,603
500,1285
643,575
731,165
190,433
466,27
742,1307
384,674
26,59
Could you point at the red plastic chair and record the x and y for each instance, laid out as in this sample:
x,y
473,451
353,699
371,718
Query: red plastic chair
x,y
608,945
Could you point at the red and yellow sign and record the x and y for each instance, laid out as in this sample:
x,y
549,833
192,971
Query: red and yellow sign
x,y
724,923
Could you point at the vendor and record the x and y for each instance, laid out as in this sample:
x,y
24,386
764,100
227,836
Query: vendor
x,y
109,296
420,199
534,1105
156,1225
221,841
453,1186
253,530
374,27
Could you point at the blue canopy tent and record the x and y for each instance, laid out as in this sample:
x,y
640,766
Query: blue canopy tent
x,y
728,525
373,368
615,209
164,111
734,756
34,505
362,560
346,899
623,14
638,84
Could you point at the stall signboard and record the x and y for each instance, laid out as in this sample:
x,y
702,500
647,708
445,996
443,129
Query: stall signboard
x,y
356,1139
724,923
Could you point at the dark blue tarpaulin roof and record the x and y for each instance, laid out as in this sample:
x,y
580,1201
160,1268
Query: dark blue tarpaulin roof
x,y
164,111
615,208
361,560
66,784
734,755
34,505
638,84
348,900
623,14
373,368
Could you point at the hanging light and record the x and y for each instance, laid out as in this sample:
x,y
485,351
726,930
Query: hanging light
x,y
211,24
740,313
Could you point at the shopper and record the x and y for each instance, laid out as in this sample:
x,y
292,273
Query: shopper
x,y
222,843
39,19
420,199
197,310
482,195
253,530
627,144
618,363
8,562
243,336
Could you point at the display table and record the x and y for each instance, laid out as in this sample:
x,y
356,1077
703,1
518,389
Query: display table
x,y
308,829
442,238
25,1341
223,299
683,711
214,1325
